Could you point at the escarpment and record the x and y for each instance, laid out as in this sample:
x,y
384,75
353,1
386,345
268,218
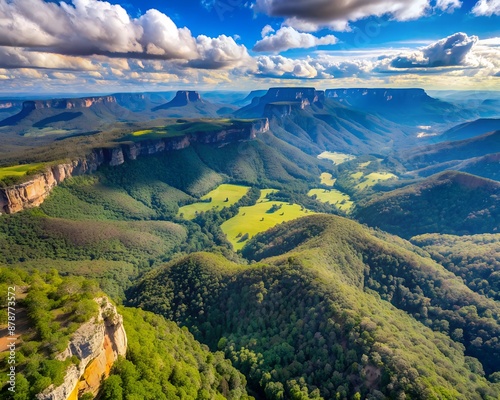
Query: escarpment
x,y
97,345
68,104
34,191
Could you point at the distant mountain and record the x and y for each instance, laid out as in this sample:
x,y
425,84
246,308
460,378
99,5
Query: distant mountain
x,y
406,106
450,202
304,118
188,104
80,114
470,129
9,108
248,99
478,155
142,102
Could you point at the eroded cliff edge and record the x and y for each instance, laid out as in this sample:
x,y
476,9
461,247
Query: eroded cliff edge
x,y
97,344
33,192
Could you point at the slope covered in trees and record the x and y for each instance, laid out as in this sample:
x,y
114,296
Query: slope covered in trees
x,y
165,362
315,320
450,202
476,259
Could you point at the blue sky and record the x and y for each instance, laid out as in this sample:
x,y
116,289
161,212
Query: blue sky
x,y
105,46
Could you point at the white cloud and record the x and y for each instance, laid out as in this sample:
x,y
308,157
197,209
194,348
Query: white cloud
x,y
487,8
279,66
303,15
450,51
16,57
94,27
288,38
448,5
266,30
220,52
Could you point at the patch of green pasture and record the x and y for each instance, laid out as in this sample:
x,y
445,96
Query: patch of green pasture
x,y
19,170
258,218
333,196
336,158
233,193
374,178
327,179
142,132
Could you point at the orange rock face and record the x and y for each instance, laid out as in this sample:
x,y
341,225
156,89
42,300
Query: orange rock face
x,y
97,344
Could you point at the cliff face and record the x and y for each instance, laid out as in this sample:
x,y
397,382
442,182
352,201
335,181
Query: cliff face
x,y
68,104
33,192
292,94
5,105
97,344
281,101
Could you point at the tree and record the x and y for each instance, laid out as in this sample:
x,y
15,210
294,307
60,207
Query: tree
x,y
112,388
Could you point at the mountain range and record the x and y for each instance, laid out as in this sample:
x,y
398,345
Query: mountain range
x,y
337,244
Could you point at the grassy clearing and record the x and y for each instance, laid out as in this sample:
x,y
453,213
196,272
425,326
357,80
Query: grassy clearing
x,y
153,133
233,193
374,178
143,132
336,158
341,200
259,218
19,170
327,179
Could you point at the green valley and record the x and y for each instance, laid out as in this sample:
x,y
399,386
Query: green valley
x,y
225,195
194,245
332,196
259,218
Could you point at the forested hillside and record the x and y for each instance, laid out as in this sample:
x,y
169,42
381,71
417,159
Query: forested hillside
x,y
449,202
316,320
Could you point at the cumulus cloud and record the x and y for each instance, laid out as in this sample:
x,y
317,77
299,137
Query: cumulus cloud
x,y
16,57
487,8
458,56
283,67
310,15
220,52
266,30
94,27
288,38
321,67
450,51
448,5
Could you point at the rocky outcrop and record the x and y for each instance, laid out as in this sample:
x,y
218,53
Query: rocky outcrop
x,y
68,104
181,99
281,101
281,110
33,192
5,105
97,344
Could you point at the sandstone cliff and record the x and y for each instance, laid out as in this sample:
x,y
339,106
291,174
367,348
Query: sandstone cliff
x,y
280,101
97,344
33,192
68,104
